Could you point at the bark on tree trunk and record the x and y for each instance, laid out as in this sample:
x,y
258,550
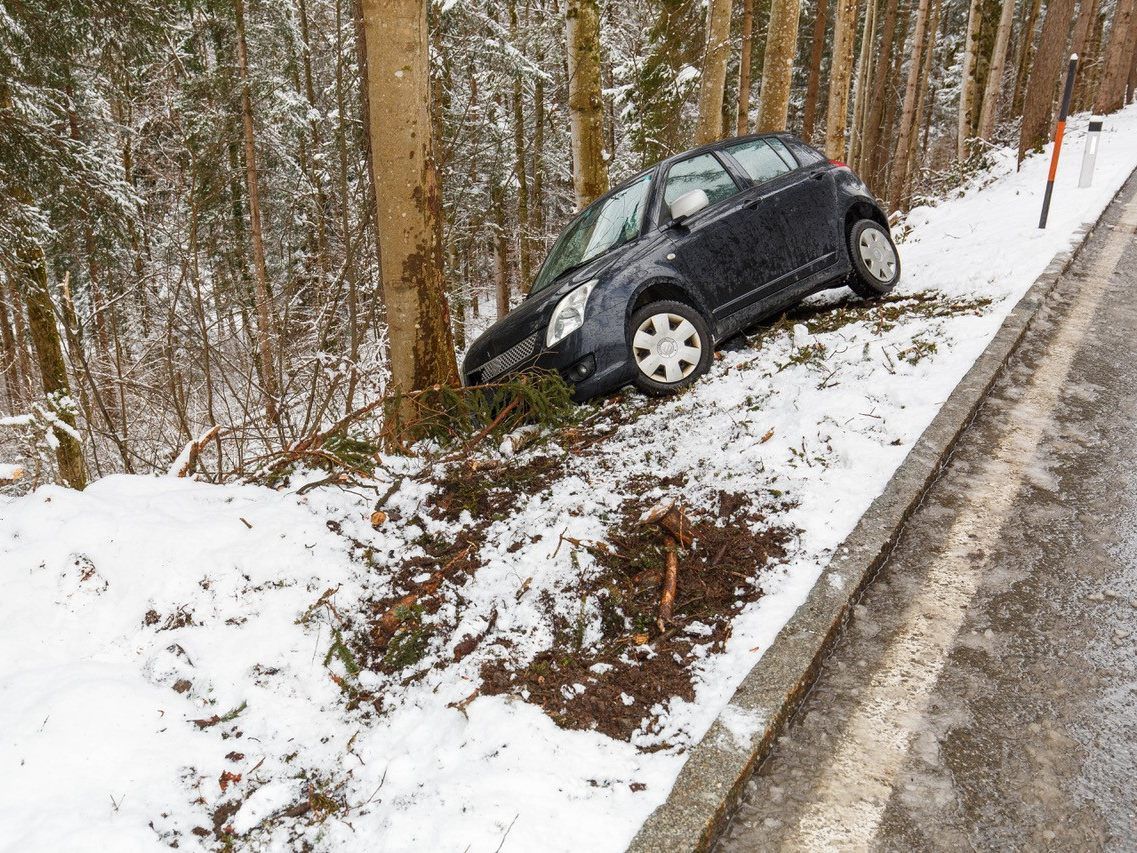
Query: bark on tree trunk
x,y
743,125
860,99
989,113
840,77
778,64
1089,64
1131,84
1025,55
408,198
523,237
882,81
52,366
813,81
709,125
265,323
1038,106
967,83
585,101
1117,58
11,361
899,175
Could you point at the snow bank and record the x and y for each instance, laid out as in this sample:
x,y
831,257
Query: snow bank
x,y
157,675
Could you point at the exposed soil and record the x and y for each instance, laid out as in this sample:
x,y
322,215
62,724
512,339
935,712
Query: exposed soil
x,y
635,670
882,314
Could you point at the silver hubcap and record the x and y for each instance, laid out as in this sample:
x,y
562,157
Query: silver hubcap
x,y
878,254
667,347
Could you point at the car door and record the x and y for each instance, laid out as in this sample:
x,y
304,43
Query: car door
x,y
708,247
787,217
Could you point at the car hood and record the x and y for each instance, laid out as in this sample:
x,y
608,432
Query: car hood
x,y
532,315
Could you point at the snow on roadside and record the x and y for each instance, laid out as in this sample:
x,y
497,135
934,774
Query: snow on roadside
x,y
143,605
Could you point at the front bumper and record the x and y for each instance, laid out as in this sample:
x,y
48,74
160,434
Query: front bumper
x,y
594,359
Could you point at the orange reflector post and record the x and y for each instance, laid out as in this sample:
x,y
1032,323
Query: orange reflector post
x,y
1059,132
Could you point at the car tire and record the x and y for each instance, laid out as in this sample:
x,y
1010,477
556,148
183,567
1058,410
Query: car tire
x,y
876,263
670,347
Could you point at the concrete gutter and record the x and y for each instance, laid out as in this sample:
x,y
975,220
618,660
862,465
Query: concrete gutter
x,y
720,765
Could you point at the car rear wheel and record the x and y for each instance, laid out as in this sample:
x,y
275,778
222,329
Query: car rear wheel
x,y
670,346
876,263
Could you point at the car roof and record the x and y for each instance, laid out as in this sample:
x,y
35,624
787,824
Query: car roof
x,y
722,143
690,152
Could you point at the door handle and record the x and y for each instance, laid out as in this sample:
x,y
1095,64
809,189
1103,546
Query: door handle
x,y
818,175
753,205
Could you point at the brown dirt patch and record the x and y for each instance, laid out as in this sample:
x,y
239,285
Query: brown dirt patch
x,y
639,667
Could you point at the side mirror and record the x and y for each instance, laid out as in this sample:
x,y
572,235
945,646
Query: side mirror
x,y
688,204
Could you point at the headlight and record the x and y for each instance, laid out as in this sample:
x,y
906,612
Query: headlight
x,y
568,316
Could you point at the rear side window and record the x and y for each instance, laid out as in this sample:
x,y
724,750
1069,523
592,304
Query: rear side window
x,y
783,152
761,162
703,172
805,155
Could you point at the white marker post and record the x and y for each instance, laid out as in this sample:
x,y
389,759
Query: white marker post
x,y
1093,136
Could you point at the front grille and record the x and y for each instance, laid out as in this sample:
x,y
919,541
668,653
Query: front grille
x,y
506,361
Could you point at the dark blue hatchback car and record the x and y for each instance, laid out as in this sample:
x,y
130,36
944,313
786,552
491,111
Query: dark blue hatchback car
x,y
646,280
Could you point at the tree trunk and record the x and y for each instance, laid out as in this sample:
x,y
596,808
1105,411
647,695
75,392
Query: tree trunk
x,y
813,81
501,252
778,64
840,77
1131,84
1090,70
1026,55
709,125
898,178
1038,106
351,271
879,94
585,101
52,367
538,161
989,113
265,323
1117,58
320,206
924,106
743,126
967,85
523,237
860,99
408,198
9,355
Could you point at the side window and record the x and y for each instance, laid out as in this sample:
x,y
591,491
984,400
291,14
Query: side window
x,y
805,155
703,172
783,152
760,161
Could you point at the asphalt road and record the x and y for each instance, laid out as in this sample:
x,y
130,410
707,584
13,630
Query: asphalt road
x,y
985,694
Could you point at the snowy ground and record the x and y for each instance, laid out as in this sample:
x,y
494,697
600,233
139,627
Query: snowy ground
x,y
171,666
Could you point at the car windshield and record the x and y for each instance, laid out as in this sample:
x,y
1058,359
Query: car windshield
x,y
603,226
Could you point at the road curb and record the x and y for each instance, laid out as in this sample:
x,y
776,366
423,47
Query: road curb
x,y
719,766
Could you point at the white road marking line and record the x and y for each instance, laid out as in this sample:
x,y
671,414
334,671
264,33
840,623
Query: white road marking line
x,y
859,779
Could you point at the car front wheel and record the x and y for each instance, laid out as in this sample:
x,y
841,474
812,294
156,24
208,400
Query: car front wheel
x,y
670,345
876,264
